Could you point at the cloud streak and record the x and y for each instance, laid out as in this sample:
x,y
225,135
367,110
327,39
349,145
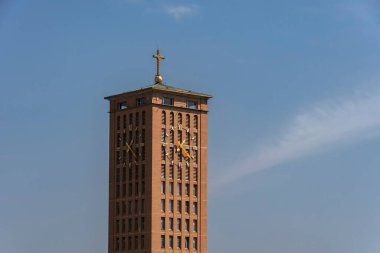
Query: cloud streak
x,y
324,126
181,11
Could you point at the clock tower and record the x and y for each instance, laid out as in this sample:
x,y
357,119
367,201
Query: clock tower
x,y
158,169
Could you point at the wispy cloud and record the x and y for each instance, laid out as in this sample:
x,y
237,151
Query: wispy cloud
x,y
181,11
324,126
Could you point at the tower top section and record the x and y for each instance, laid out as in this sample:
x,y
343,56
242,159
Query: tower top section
x,y
159,94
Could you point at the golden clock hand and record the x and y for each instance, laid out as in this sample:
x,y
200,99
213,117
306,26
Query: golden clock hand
x,y
130,149
184,150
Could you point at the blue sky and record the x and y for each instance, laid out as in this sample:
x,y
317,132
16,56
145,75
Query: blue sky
x,y
293,132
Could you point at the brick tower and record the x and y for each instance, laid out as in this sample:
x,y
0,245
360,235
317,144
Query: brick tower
x,y
158,169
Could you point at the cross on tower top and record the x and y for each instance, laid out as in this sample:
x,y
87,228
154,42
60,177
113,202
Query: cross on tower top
x,y
158,57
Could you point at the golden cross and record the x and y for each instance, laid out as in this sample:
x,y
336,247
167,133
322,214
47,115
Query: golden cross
x,y
158,58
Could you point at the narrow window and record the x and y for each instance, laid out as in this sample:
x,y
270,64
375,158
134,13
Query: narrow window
x,y
172,118
124,157
191,104
187,207
163,153
171,223
195,154
179,242
163,171
124,121
187,224
129,207
143,136
163,135
118,140
195,122
140,101
129,242
168,101
171,153
171,136
195,225
137,136
124,207
187,120
163,118
143,172
162,241
180,118
117,244
117,226
142,206
163,187
171,168
187,172
187,138
171,188
130,119
171,203
143,118
136,172
123,106
179,206
136,242
129,225
195,171
118,158
180,136
195,207
195,139
179,172
137,119
117,208
123,244
136,224
187,189
179,189
117,174
137,152
162,223
143,153
142,242
117,191
179,224
186,242
163,205
118,123
195,190
142,223
195,243
124,190
123,226
171,241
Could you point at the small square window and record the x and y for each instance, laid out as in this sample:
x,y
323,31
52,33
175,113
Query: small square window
x,y
140,101
192,104
168,101
123,106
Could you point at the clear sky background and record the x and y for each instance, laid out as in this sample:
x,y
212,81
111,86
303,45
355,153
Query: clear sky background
x,y
294,129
